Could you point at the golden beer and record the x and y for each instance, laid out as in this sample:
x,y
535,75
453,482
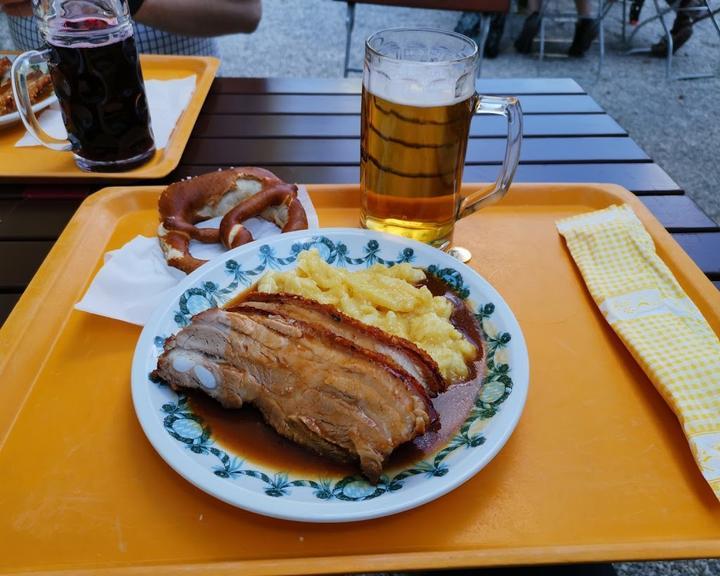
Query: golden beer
x,y
418,100
411,166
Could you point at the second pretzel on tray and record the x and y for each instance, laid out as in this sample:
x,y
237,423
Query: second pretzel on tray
x,y
235,194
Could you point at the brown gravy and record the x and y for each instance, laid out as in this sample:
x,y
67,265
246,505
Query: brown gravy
x,y
245,432
230,304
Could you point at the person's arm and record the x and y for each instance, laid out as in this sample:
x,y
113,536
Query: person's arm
x,y
16,7
189,17
206,18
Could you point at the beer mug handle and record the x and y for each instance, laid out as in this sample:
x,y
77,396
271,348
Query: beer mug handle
x,y
22,98
510,108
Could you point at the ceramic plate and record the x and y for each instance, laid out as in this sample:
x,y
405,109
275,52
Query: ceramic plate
x,y
187,444
13,117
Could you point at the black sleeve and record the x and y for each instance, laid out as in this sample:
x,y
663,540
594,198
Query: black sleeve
x,y
134,6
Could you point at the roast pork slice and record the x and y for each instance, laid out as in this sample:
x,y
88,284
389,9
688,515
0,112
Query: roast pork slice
x,y
404,353
317,388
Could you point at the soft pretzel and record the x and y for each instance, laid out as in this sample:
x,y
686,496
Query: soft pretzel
x,y
278,204
237,194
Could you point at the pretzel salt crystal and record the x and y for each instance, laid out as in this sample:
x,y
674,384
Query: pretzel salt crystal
x,y
185,203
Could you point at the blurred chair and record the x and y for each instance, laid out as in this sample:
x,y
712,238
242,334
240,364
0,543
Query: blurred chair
x,y
478,6
700,12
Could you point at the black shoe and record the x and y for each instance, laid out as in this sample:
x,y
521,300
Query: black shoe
x,y
586,31
524,42
495,33
468,24
679,37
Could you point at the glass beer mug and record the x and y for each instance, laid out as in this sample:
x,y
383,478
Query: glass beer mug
x,y
96,75
418,101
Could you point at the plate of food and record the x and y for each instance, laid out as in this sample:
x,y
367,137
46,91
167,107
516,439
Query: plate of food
x,y
330,375
39,86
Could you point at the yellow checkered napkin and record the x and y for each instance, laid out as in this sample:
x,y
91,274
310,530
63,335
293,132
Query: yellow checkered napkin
x,y
659,324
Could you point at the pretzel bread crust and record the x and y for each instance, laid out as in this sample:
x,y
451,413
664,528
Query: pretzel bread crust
x,y
236,194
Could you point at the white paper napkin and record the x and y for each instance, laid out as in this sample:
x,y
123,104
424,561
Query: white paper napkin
x,y
135,279
166,101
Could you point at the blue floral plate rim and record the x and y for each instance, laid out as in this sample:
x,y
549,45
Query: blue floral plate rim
x,y
192,453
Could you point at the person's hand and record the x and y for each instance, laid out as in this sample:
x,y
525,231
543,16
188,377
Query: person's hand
x,y
16,7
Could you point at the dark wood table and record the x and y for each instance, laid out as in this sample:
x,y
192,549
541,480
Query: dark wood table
x,y
308,131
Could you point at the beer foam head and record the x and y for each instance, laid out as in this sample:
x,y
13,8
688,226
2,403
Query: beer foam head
x,y
420,67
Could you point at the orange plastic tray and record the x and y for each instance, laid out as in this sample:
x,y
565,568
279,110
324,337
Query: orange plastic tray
x,y
41,162
597,469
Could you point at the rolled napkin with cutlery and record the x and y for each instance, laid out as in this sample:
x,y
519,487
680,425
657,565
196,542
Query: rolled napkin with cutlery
x,y
167,99
136,278
643,303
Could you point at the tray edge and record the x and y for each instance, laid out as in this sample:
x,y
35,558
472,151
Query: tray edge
x,y
42,283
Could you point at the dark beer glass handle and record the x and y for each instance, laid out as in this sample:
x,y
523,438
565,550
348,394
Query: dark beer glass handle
x,y
510,108
20,69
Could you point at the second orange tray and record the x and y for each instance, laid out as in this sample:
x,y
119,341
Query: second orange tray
x,y
41,162
597,469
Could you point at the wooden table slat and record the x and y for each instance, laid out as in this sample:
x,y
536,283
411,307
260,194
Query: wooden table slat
x,y
284,104
502,86
7,303
278,151
38,188
703,248
36,218
6,208
348,126
679,213
19,260
644,178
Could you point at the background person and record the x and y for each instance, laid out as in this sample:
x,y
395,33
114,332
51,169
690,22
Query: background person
x,y
681,30
161,26
469,25
585,29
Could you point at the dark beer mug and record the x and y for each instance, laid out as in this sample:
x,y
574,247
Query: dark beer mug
x,y
96,75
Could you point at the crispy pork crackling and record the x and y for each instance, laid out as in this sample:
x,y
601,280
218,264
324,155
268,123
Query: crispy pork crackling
x,y
317,380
